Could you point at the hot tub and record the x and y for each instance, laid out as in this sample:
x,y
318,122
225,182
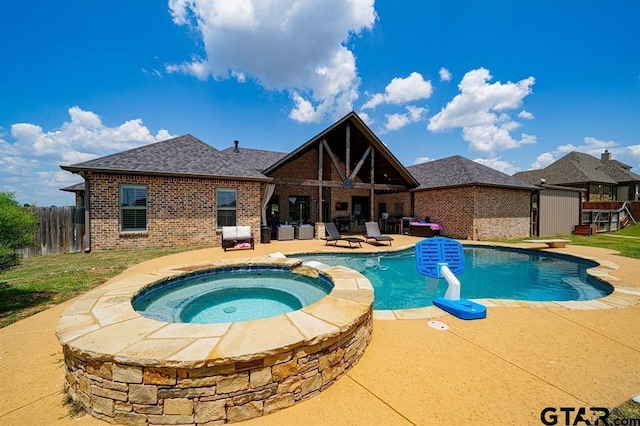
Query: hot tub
x,y
125,368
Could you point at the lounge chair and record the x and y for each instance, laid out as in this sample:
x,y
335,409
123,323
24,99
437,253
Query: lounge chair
x,y
334,235
373,231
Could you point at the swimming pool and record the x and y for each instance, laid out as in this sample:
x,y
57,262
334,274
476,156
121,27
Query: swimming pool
x,y
490,272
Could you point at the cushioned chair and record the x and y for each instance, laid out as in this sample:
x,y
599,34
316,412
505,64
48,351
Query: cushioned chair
x,y
335,236
237,237
373,231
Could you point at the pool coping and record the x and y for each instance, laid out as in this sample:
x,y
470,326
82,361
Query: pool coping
x,y
102,323
623,294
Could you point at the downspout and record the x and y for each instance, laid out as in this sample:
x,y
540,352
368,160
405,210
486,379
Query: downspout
x,y
87,215
534,214
582,195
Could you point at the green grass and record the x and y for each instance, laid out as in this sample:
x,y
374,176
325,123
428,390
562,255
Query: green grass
x,y
625,411
41,282
626,241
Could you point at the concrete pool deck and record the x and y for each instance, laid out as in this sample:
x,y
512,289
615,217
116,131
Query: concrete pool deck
x,y
500,370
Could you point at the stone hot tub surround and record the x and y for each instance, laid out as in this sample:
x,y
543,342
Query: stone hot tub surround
x,y
124,368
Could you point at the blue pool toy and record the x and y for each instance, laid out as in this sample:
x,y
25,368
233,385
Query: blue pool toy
x,y
438,258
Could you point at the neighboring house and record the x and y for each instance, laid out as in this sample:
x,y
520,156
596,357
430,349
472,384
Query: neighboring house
x,y
180,192
472,201
603,179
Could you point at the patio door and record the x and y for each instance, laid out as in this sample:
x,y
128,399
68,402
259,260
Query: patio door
x,y
360,210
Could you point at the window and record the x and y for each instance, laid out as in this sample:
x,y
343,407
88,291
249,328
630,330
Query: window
x,y
226,204
133,208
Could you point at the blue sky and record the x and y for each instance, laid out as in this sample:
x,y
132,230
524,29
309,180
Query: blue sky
x,y
513,85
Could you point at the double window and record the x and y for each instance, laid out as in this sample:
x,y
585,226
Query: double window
x,y
226,203
133,208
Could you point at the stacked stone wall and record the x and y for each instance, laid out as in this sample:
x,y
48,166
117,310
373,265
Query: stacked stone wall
x,y
502,213
217,394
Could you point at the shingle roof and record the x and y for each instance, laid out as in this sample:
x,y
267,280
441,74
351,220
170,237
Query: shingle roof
x,y
460,171
578,167
256,159
74,188
183,155
620,174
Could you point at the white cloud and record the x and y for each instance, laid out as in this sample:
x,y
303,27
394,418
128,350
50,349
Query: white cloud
x,y
402,90
397,121
543,160
420,160
480,110
445,74
366,118
30,164
497,164
281,45
526,115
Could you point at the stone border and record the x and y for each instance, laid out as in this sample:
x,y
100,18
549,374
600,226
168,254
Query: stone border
x,y
623,295
124,368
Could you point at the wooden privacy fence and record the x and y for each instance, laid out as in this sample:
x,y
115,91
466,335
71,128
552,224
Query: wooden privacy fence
x,y
60,230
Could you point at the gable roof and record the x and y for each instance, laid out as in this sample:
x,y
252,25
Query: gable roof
x,y
181,156
577,167
256,159
385,161
459,171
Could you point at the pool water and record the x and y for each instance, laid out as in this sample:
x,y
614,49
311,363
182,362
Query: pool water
x,y
230,295
490,272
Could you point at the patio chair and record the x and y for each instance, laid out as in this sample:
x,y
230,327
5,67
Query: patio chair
x,y
237,237
335,236
373,231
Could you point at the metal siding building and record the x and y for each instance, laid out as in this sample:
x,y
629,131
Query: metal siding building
x,y
558,211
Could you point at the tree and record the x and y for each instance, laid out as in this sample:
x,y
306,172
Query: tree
x,y
17,230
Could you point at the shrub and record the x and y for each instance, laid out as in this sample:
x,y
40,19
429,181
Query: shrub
x,y
17,230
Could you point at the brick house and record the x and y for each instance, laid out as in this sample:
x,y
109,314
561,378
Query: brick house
x,y
603,179
473,201
181,191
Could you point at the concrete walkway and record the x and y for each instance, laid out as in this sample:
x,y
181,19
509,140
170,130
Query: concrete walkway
x,y
501,370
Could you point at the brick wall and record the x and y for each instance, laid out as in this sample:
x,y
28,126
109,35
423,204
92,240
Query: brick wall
x,y
180,211
453,207
477,213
